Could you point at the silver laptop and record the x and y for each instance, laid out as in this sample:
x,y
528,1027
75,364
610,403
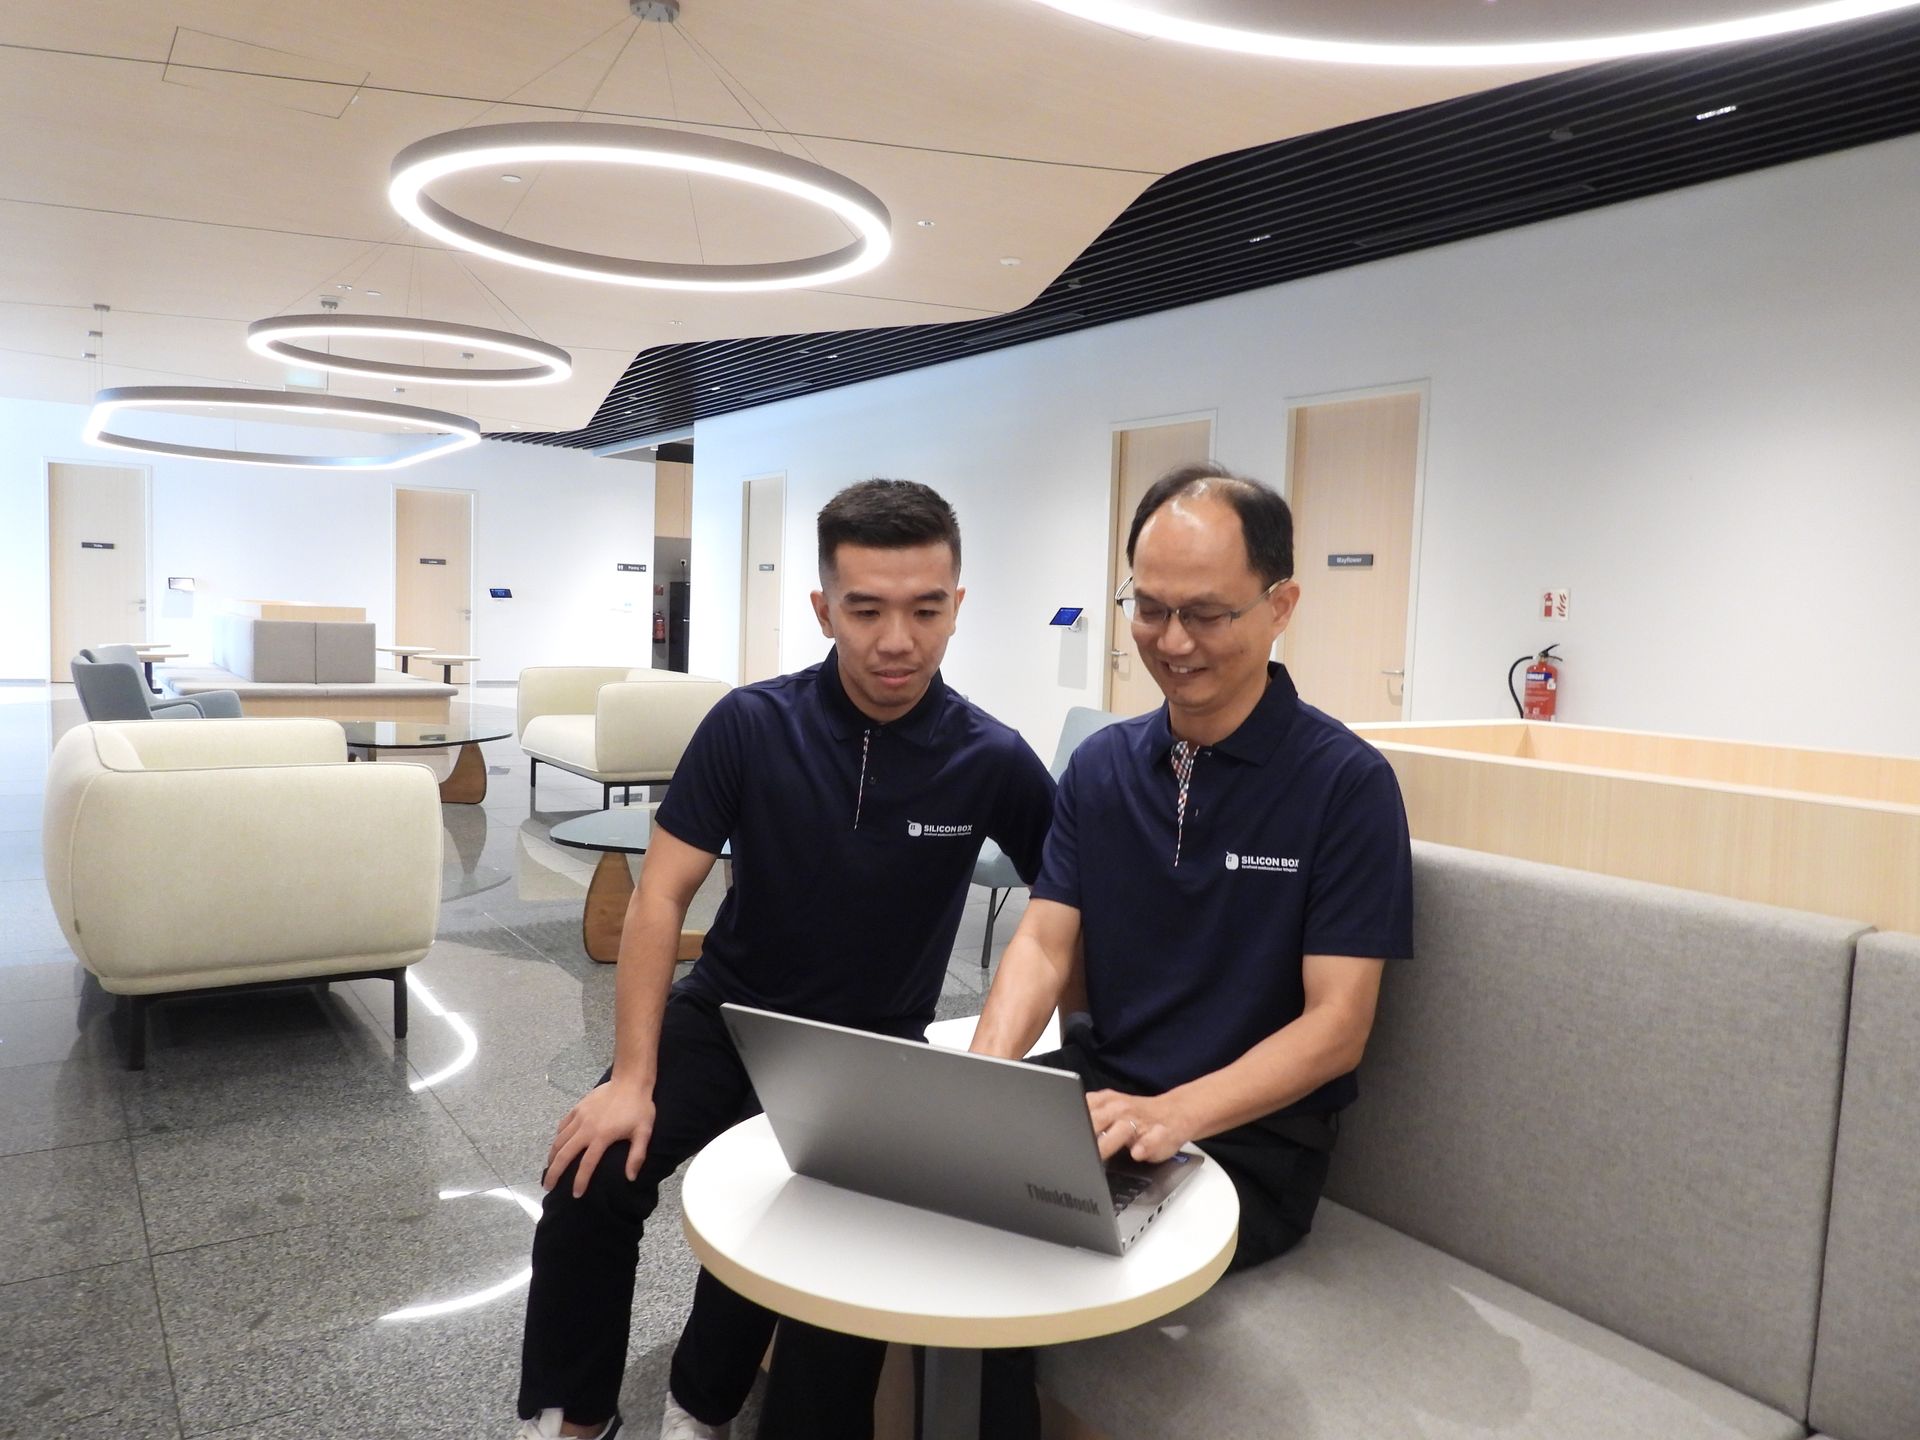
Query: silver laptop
x,y
1000,1142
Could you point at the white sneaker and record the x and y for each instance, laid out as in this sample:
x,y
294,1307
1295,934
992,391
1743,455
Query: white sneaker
x,y
546,1426
677,1424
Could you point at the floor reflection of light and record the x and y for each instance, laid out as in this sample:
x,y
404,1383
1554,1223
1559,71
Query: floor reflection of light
x,y
469,1042
476,1298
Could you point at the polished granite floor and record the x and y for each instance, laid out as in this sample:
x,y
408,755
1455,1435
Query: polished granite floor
x,y
290,1224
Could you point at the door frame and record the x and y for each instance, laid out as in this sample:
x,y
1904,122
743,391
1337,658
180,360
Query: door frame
x,y
746,540
473,566
47,462
1424,389
1109,612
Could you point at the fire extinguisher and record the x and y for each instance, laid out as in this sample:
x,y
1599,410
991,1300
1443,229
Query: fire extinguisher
x,y
659,627
1543,685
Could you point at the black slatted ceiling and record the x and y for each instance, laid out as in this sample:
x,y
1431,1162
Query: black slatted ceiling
x,y
1342,197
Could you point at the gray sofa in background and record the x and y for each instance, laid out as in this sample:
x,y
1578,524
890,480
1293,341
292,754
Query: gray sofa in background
x,y
303,652
1585,1194
1866,1366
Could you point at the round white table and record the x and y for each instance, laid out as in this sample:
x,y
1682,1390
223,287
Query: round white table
x,y
446,662
864,1266
404,653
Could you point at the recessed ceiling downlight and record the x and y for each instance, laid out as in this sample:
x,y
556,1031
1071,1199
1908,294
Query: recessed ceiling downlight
x,y
1426,33
450,432
488,147
275,337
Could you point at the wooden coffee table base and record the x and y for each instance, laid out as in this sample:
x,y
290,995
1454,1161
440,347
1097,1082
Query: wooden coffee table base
x,y
467,785
606,913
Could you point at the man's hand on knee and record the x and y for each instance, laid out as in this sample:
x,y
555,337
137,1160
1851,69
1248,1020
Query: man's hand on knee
x,y
607,1115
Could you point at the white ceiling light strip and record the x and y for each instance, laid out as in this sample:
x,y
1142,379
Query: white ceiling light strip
x,y
451,433
492,147
1208,23
275,337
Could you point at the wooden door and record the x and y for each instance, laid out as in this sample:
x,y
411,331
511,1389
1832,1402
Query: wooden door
x,y
1140,457
765,504
1353,465
672,499
433,582
97,538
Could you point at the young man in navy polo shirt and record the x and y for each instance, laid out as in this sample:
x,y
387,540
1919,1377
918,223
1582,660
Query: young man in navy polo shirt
x,y
1236,868
856,795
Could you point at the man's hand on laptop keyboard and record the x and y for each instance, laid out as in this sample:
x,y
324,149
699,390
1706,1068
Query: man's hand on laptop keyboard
x,y
1149,1128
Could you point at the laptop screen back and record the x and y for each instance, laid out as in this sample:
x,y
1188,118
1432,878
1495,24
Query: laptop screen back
x,y
995,1141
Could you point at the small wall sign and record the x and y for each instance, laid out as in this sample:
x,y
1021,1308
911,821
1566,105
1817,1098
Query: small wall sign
x,y
766,567
634,568
431,560
96,544
1350,561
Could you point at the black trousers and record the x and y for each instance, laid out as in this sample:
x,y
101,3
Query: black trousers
x,y
1278,1168
580,1301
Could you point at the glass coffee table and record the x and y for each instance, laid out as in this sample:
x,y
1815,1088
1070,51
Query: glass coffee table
x,y
467,785
617,833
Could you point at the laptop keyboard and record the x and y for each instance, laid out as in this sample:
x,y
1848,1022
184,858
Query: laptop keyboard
x,y
1125,1189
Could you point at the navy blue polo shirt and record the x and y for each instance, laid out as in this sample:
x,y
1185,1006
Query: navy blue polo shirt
x,y
1294,843
853,842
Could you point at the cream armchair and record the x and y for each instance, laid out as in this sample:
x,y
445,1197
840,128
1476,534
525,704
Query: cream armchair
x,y
238,854
615,726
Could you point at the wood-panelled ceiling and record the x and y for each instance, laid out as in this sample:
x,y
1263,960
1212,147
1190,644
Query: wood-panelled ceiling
x,y
1425,176
199,164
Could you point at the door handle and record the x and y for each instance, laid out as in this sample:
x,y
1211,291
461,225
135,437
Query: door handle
x,y
1393,672
1117,654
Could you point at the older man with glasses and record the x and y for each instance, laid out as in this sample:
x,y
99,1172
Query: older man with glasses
x,y
1235,870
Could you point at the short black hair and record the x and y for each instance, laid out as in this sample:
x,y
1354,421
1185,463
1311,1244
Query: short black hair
x,y
887,515
1266,523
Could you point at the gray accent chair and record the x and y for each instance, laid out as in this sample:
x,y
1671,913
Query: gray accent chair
x,y
111,654
117,655
993,869
113,690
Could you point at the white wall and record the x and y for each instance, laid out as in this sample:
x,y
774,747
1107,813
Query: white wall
x,y
549,523
1698,412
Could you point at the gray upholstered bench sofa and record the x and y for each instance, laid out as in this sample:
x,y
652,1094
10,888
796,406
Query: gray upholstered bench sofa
x,y
307,667
301,652
1630,1162
388,695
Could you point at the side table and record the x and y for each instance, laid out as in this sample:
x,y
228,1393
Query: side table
x,y
864,1266
616,834
467,785
445,662
404,653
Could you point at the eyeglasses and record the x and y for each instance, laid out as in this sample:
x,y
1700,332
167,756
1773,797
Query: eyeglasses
x,y
1194,619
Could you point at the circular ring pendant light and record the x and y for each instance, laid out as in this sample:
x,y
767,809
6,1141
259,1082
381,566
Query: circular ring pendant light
x,y
490,147
455,432
1259,27
274,339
